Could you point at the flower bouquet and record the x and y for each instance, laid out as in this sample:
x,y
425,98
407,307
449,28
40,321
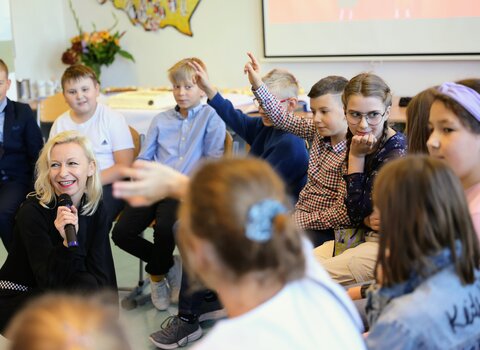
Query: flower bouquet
x,y
96,48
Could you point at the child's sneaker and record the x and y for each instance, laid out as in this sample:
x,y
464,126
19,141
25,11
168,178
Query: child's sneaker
x,y
211,311
175,332
174,278
160,294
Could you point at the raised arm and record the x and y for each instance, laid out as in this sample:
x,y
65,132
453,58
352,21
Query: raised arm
x,y
278,114
239,122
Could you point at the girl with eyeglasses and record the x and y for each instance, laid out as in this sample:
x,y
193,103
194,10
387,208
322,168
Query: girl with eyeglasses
x,y
371,143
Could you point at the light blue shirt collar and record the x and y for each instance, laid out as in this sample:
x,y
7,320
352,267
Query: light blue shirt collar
x,y
3,104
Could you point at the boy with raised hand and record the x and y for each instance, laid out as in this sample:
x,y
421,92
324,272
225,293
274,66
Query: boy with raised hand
x,y
180,138
321,207
285,152
105,128
20,143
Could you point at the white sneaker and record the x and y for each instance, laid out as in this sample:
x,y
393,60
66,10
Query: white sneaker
x,y
160,294
174,278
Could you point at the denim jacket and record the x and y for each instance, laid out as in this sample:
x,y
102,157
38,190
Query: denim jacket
x,y
439,313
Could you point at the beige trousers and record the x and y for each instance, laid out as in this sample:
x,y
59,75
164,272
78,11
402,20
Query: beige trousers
x,y
354,265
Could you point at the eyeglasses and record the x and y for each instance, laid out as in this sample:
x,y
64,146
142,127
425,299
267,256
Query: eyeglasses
x,y
257,103
372,117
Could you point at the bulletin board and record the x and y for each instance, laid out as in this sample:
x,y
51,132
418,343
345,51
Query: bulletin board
x,y
359,28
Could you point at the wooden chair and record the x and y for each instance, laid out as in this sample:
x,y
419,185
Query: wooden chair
x,y
228,146
137,141
52,107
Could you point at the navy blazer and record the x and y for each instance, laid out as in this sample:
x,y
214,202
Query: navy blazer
x,y
22,142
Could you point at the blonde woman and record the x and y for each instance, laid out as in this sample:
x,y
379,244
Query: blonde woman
x,y
40,259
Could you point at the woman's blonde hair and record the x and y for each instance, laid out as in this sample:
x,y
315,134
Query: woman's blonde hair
x,y
44,190
422,211
216,209
66,322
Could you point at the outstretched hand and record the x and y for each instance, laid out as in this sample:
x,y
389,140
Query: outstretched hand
x,y
150,183
201,79
252,69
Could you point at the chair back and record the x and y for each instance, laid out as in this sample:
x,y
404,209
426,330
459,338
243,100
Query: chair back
x,y
137,141
52,107
228,146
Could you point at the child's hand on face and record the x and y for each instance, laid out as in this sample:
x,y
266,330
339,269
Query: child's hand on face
x,y
362,145
201,79
252,69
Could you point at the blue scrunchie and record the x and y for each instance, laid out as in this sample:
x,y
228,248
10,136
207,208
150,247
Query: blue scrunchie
x,y
260,217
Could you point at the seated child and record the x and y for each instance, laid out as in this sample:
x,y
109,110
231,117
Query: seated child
x,y
428,271
321,205
180,138
20,144
106,129
61,321
286,153
371,143
454,123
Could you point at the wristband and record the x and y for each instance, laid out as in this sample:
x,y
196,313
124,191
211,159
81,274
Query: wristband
x,y
363,290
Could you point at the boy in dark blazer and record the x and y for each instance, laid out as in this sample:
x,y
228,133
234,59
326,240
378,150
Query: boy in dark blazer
x,y
20,144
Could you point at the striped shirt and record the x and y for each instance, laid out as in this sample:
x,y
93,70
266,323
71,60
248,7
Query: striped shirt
x,y
321,204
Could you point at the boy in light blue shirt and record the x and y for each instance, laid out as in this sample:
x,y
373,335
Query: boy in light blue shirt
x,y
179,138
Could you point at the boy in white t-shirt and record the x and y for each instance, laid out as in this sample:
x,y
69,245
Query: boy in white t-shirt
x,y
107,130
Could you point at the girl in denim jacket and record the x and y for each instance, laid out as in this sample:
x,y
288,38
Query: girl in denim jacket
x,y
428,279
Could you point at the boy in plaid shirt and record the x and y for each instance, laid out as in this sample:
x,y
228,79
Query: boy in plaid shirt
x,y
321,204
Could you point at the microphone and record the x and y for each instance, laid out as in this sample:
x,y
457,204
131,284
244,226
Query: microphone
x,y
64,200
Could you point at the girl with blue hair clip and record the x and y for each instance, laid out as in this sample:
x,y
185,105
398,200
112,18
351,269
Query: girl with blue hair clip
x,y
237,238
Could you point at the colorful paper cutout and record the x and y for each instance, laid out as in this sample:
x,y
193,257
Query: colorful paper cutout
x,y
156,14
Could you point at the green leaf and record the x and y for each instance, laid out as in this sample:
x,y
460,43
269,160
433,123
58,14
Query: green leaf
x,y
126,55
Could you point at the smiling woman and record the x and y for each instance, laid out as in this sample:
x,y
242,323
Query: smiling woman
x,y
40,260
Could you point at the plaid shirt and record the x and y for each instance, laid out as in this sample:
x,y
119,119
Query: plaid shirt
x,y
321,204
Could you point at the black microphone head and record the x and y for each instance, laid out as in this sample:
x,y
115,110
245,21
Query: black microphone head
x,y
64,200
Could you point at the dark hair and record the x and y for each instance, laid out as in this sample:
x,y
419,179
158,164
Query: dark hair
x,y
422,211
368,85
3,66
464,116
220,196
332,84
418,112
77,72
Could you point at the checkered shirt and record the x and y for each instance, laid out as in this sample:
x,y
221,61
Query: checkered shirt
x,y
321,203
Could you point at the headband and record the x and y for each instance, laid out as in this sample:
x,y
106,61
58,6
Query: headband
x,y
260,217
466,97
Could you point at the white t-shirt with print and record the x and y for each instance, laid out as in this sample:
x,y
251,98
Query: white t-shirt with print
x,y
303,315
107,130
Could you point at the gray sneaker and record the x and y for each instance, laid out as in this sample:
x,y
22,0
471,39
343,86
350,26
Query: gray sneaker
x,y
174,333
174,278
211,311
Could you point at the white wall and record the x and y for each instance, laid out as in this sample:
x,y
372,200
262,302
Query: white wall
x,y
223,30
